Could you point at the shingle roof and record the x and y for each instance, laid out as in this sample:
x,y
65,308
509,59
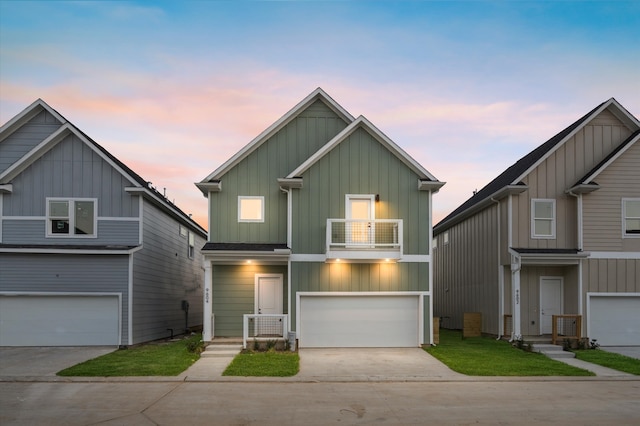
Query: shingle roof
x,y
513,173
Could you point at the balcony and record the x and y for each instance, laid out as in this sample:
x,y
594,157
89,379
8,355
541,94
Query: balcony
x,y
363,239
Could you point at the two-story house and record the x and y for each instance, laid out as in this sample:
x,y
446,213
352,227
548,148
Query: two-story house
x,y
324,223
557,233
90,252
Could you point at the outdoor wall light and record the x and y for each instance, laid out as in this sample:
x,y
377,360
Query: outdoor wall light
x,y
377,198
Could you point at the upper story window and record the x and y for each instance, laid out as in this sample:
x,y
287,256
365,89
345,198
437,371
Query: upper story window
x,y
543,218
71,217
631,216
445,238
434,243
192,245
250,209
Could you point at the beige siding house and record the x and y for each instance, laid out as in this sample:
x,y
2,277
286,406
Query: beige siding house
x,y
554,239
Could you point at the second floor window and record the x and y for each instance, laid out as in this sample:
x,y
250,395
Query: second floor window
x,y
631,213
250,209
543,218
71,217
192,245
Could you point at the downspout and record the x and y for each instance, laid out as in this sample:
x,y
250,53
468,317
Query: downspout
x,y
430,270
500,279
289,231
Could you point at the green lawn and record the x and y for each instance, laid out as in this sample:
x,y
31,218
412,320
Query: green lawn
x,y
271,364
481,356
153,359
610,360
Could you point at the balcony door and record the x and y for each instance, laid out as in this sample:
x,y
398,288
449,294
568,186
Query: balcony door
x,y
360,226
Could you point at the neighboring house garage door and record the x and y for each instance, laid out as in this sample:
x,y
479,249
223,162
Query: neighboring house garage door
x,y
65,320
613,319
359,320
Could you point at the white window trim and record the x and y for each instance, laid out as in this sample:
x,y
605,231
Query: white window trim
x,y
191,248
72,218
624,218
372,204
553,219
445,238
251,197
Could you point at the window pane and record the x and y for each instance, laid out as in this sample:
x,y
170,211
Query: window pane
x,y
59,208
632,208
59,226
250,209
632,226
84,218
543,227
543,209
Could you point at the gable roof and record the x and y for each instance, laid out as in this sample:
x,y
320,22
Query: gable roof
x,y
509,181
314,96
362,123
613,156
140,184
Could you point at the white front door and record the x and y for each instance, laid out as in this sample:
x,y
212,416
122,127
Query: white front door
x,y
361,214
551,292
268,300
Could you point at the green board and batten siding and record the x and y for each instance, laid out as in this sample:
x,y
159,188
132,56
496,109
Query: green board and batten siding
x,y
234,294
257,174
359,165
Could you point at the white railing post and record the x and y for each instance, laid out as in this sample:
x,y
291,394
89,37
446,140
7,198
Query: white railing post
x,y
245,330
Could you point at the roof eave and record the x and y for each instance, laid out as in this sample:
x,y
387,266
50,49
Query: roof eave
x,y
207,187
429,185
290,183
583,188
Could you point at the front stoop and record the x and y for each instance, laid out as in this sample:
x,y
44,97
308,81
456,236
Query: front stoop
x,y
222,350
553,351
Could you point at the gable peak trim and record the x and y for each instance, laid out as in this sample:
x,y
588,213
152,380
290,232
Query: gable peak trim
x,y
27,114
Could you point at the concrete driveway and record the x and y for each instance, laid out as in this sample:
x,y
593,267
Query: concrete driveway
x,y
45,361
371,364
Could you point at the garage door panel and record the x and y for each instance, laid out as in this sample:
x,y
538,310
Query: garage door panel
x,y
59,320
359,321
615,320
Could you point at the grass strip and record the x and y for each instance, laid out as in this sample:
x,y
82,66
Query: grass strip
x,y
481,356
153,359
610,360
264,364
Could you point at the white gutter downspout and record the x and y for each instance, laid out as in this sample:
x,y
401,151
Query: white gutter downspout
x,y
500,280
430,270
289,231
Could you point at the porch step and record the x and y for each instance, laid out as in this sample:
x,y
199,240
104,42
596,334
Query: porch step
x,y
222,350
552,351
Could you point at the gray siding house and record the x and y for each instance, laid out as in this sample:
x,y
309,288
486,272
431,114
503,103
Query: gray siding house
x,y
90,253
556,234
322,225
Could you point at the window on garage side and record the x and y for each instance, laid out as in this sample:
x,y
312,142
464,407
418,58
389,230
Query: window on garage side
x,y
192,245
631,216
543,218
71,217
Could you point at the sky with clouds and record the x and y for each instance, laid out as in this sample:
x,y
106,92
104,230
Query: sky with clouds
x,y
175,88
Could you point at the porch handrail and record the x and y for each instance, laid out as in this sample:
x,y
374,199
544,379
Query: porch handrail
x,y
364,233
264,327
560,331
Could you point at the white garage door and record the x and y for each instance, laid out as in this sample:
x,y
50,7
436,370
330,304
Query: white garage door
x,y
615,320
359,321
59,320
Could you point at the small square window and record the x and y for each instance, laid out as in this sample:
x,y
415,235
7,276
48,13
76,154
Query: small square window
x,y
183,231
543,218
250,209
631,216
434,243
445,238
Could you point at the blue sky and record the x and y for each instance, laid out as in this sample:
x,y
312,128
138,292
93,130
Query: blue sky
x,y
173,88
